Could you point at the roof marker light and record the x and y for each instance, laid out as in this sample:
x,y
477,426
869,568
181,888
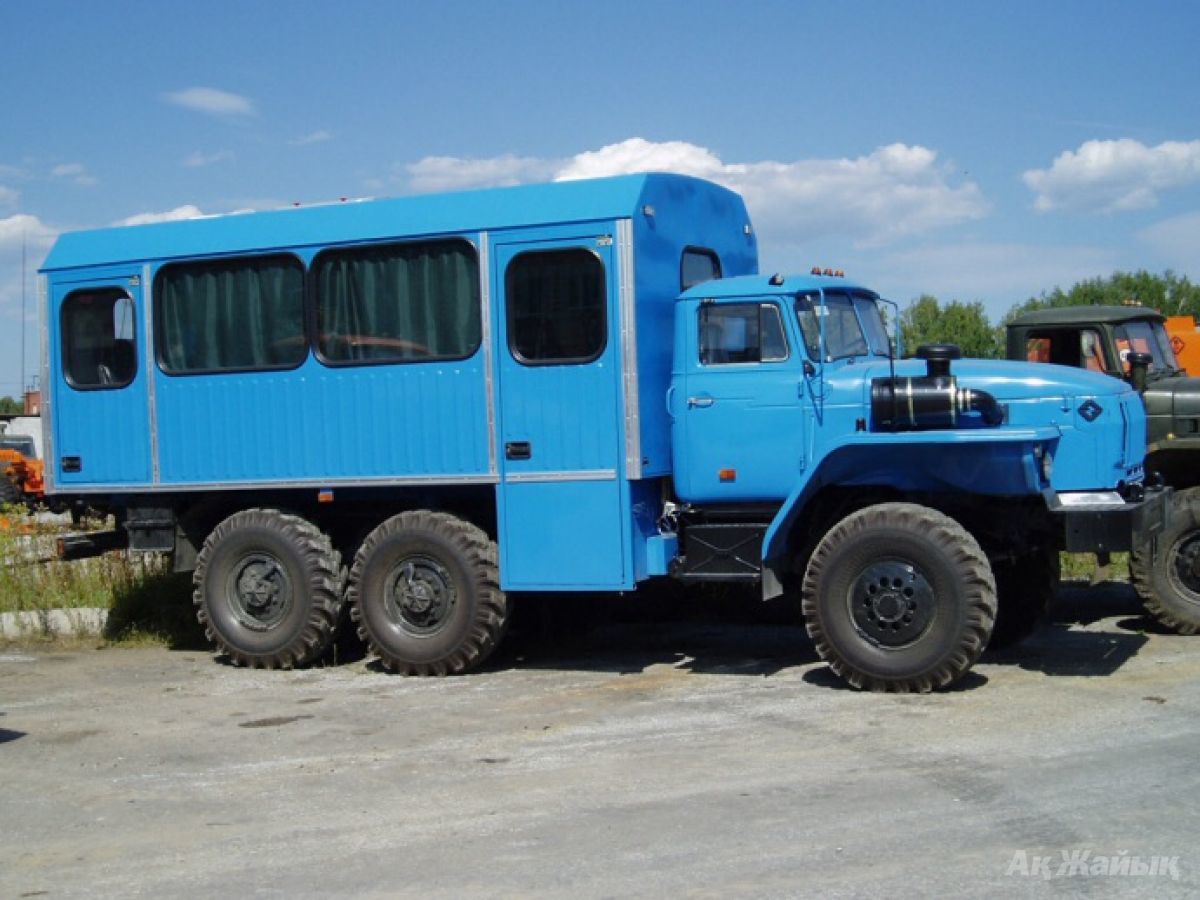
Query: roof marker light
x,y
776,279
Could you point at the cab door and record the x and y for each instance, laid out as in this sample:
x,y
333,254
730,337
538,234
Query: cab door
x,y
99,377
563,508
738,411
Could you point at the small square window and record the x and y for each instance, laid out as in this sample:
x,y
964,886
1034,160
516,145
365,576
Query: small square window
x,y
99,339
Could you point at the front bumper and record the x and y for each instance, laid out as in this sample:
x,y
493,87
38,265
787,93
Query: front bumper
x,y
1106,522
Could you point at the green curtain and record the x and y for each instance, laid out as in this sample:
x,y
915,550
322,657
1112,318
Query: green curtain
x,y
243,315
399,302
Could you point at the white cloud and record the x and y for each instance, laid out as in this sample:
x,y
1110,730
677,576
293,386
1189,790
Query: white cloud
x,y
212,101
8,197
75,172
172,215
1114,176
37,235
452,173
315,137
197,160
893,192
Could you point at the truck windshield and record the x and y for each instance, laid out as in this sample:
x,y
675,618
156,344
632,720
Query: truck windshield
x,y
854,325
1146,337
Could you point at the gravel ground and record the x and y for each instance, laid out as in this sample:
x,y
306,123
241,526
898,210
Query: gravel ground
x,y
704,753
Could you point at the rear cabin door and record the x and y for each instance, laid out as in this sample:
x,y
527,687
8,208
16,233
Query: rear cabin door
x,y
563,518
99,373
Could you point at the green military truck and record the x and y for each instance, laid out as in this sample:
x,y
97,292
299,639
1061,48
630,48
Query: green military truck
x,y
1131,343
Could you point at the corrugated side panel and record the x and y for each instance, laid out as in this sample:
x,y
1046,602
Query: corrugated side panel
x,y
399,421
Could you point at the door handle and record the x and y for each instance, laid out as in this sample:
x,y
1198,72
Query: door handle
x,y
704,400
518,450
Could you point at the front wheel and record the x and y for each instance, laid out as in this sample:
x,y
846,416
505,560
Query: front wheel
x,y
1168,581
899,597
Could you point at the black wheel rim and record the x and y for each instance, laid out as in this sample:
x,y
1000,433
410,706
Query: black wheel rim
x,y
891,603
1184,565
419,595
259,591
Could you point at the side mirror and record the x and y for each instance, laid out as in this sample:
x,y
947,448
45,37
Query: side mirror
x,y
809,369
1139,365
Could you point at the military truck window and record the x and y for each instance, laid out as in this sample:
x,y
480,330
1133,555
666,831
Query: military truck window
x,y
98,339
398,303
741,333
1146,337
1083,348
234,315
697,266
557,305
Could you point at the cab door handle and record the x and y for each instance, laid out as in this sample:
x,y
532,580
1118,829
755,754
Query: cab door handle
x,y
702,401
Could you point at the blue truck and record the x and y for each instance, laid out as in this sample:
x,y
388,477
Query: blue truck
x,y
416,408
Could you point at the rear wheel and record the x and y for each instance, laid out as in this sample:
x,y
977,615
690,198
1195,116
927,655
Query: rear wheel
x,y
1169,582
268,587
425,593
899,597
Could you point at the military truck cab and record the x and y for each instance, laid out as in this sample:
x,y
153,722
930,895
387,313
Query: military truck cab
x,y
1132,343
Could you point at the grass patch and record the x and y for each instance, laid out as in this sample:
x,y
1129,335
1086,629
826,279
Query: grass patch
x,y
147,603
1083,567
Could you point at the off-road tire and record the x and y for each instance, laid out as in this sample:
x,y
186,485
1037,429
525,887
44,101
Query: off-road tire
x,y
899,597
425,593
1025,588
268,588
1168,581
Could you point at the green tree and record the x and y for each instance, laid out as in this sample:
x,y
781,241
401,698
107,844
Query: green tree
x,y
11,407
926,321
1169,293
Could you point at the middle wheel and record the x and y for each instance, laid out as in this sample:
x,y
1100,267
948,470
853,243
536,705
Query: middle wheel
x,y
425,592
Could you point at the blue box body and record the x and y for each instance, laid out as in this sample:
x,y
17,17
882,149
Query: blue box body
x,y
573,516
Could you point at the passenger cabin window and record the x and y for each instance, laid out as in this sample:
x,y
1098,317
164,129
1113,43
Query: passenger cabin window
x,y
741,333
697,266
99,339
1079,349
398,302
234,315
557,307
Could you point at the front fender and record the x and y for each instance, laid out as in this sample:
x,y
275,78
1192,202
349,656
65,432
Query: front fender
x,y
995,462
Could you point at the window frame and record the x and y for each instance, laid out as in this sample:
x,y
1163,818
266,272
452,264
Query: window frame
x,y
761,306
65,334
314,302
510,311
225,262
708,252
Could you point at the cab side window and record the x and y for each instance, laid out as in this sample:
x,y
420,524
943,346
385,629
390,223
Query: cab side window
x,y
741,333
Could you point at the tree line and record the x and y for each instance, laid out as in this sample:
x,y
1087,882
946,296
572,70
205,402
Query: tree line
x,y
926,320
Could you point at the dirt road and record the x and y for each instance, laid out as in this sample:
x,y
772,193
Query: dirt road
x,y
693,757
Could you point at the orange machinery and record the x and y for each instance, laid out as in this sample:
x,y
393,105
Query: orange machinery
x,y
1185,340
21,478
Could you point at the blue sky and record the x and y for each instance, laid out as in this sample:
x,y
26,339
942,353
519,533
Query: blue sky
x,y
968,150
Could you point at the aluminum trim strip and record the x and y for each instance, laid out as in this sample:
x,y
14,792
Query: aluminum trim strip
x,y
485,295
48,458
556,477
629,361
176,487
148,368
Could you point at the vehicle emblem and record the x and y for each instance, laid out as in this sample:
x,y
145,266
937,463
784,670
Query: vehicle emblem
x,y
1090,410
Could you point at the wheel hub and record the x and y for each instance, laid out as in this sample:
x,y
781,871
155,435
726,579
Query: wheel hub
x,y
891,603
420,595
1186,563
259,591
